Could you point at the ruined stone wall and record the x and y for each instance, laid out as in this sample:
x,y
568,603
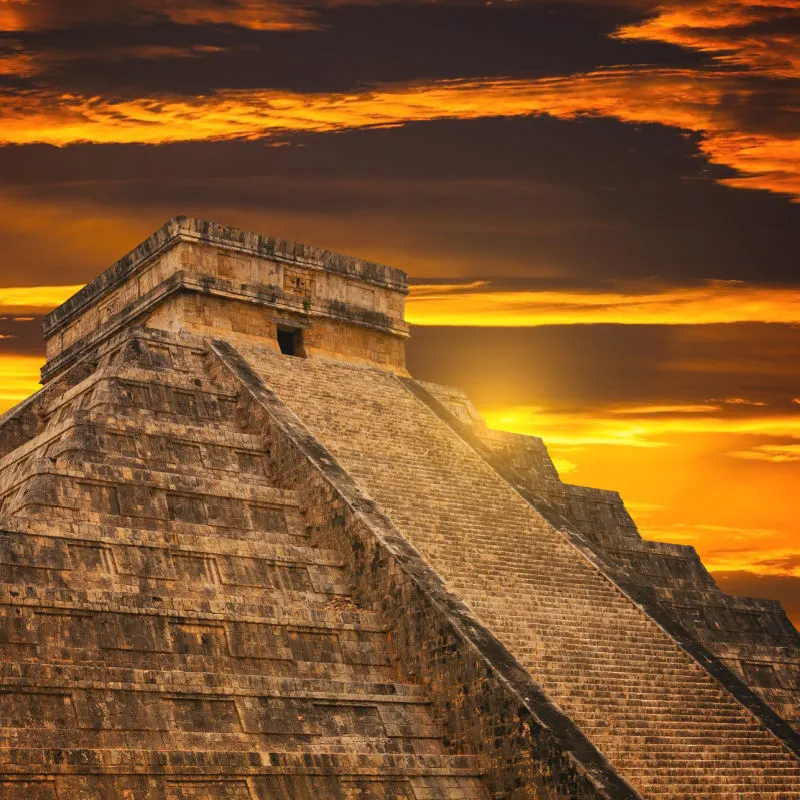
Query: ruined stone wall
x,y
323,337
309,287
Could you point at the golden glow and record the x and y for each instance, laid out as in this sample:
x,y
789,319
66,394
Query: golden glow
x,y
722,483
474,304
692,100
719,302
35,298
698,408
629,429
739,401
19,378
715,474
775,453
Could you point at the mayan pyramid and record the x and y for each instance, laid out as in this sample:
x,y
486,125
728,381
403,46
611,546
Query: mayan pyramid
x,y
246,557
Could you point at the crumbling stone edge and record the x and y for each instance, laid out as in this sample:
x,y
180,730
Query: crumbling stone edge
x,y
222,236
489,703
637,594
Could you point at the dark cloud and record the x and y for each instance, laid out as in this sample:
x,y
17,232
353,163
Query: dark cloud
x,y
350,47
787,564
591,200
21,336
770,105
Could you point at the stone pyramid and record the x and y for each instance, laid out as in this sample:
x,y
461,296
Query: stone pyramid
x,y
246,557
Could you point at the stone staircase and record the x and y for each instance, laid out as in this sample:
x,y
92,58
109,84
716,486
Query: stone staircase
x,y
660,718
752,637
170,630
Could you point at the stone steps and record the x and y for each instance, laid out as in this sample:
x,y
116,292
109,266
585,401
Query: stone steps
x,y
764,763
561,618
167,628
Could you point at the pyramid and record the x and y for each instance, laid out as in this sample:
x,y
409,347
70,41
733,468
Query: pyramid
x,y
245,556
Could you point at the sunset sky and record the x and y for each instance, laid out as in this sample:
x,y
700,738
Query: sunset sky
x,y
598,204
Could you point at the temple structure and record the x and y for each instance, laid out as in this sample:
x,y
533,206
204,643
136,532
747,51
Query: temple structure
x,y
245,556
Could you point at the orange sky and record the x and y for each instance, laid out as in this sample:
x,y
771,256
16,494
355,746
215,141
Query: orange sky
x,y
554,176
685,475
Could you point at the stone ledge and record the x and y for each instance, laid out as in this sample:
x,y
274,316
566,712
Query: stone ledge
x,y
179,283
190,229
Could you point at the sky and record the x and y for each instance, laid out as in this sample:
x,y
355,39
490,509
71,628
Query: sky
x,y
597,202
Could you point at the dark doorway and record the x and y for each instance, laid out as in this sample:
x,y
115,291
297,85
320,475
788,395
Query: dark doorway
x,y
290,341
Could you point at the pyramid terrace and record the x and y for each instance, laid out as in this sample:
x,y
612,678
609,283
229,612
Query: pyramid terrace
x,y
244,555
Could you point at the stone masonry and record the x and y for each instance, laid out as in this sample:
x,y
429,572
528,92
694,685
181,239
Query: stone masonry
x,y
245,556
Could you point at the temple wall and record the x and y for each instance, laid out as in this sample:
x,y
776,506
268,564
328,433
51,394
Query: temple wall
x,y
351,308
207,315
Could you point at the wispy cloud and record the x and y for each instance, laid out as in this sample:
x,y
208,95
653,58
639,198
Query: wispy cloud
x,y
665,408
21,62
693,100
607,427
34,298
717,302
19,378
777,561
742,33
773,453
739,401
27,15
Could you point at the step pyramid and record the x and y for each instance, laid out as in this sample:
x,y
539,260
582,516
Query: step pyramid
x,y
243,555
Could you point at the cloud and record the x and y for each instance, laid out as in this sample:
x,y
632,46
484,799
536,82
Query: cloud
x,y
34,298
657,408
785,563
780,561
739,401
16,61
720,558
773,453
19,378
689,99
717,302
27,15
740,33
607,427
